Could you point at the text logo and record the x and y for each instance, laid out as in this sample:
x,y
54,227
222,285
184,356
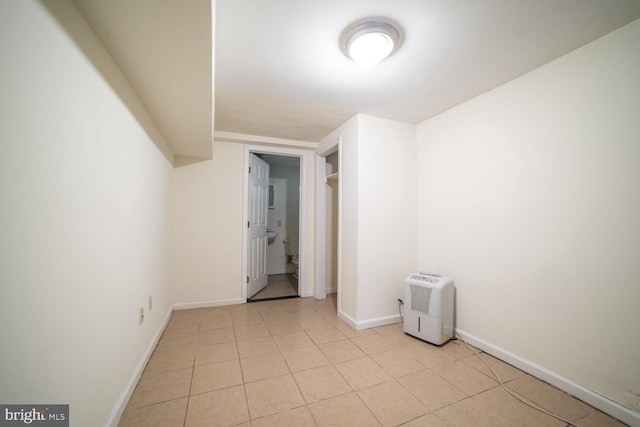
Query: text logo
x,y
34,415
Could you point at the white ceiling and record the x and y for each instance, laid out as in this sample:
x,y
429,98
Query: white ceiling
x,y
279,71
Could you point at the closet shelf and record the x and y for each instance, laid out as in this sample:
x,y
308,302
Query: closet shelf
x,y
333,176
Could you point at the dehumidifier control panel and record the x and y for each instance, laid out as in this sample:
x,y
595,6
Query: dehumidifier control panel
x,y
424,278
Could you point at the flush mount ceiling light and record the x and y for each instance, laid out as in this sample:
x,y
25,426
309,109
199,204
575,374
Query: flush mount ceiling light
x,y
370,40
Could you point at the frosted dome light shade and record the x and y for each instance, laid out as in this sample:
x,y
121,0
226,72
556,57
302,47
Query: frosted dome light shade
x,y
370,48
370,40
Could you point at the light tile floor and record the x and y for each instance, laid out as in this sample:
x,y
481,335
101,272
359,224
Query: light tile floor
x,y
294,363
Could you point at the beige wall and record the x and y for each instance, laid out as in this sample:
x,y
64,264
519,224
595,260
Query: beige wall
x,y
348,274
307,248
529,197
286,182
276,258
378,246
207,227
386,216
207,232
331,227
85,196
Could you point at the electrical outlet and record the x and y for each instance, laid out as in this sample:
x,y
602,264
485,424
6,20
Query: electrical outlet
x,y
150,302
141,318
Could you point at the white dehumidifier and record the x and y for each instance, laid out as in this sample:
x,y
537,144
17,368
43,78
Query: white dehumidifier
x,y
428,307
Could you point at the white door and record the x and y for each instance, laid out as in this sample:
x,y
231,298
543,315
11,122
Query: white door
x,y
257,223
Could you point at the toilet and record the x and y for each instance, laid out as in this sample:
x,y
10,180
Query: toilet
x,y
291,257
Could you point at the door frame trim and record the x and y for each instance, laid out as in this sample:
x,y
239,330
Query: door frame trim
x,y
321,182
304,260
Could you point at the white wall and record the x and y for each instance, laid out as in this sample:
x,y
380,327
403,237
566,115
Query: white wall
x,y
207,236
286,181
386,215
347,287
83,220
276,258
529,197
331,229
378,220
207,227
291,175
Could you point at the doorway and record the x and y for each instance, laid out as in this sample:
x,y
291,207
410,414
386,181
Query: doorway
x,y
277,256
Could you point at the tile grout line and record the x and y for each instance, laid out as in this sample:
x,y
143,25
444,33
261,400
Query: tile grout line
x,y
315,345
288,368
193,371
244,384
270,311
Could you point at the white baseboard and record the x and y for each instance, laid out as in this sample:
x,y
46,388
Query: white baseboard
x,y
207,304
370,323
123,400
308,293
331,290
348,319
379,321
594,399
